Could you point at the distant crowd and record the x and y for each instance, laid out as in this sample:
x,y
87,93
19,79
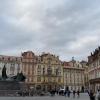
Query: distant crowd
x,y
66,93
93,95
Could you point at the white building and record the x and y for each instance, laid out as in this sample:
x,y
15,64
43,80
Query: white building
x,y
74,75
12,64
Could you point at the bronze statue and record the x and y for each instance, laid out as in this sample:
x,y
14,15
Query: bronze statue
x,y
4,75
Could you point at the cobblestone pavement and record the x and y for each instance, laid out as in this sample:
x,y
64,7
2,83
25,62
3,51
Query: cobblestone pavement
x,y
82,97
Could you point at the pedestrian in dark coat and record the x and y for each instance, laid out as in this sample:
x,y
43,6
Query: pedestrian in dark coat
x,y
74,93
78,93
68,93
92,96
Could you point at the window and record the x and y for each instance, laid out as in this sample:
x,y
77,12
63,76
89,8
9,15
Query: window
x,y
18,67
44,79
39,70
49,79
49,70
93,64
38,79
39,67
57,71
41,58
43,71
66,74
59,79
30,79
78,65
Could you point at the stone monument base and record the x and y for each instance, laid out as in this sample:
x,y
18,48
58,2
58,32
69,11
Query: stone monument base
x,y
10,88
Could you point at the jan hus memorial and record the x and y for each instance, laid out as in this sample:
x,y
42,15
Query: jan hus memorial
x,y
11,85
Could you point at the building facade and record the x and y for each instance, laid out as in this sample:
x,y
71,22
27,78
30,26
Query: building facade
x,y
12,64
73,75
48,72
94,69
28,67
44,72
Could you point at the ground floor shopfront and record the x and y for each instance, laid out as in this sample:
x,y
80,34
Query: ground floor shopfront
x,y
94,84
74,87
45,86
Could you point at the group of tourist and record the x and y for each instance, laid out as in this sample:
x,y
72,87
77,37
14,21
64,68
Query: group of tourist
x,y
93,95
66,93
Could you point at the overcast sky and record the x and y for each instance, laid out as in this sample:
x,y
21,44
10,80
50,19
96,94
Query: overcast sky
x,y
66,28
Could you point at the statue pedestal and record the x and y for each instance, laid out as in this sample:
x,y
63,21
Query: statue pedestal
x,y
9,88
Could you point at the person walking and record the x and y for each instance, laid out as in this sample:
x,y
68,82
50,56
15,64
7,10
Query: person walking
x,y
92,95
68,93
98,95
74,93
65,92
78,93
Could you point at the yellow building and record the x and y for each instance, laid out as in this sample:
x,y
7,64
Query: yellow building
x,y
44,72
48,72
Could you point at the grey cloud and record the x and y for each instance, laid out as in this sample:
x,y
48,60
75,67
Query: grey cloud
x,y
83,20
47,27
